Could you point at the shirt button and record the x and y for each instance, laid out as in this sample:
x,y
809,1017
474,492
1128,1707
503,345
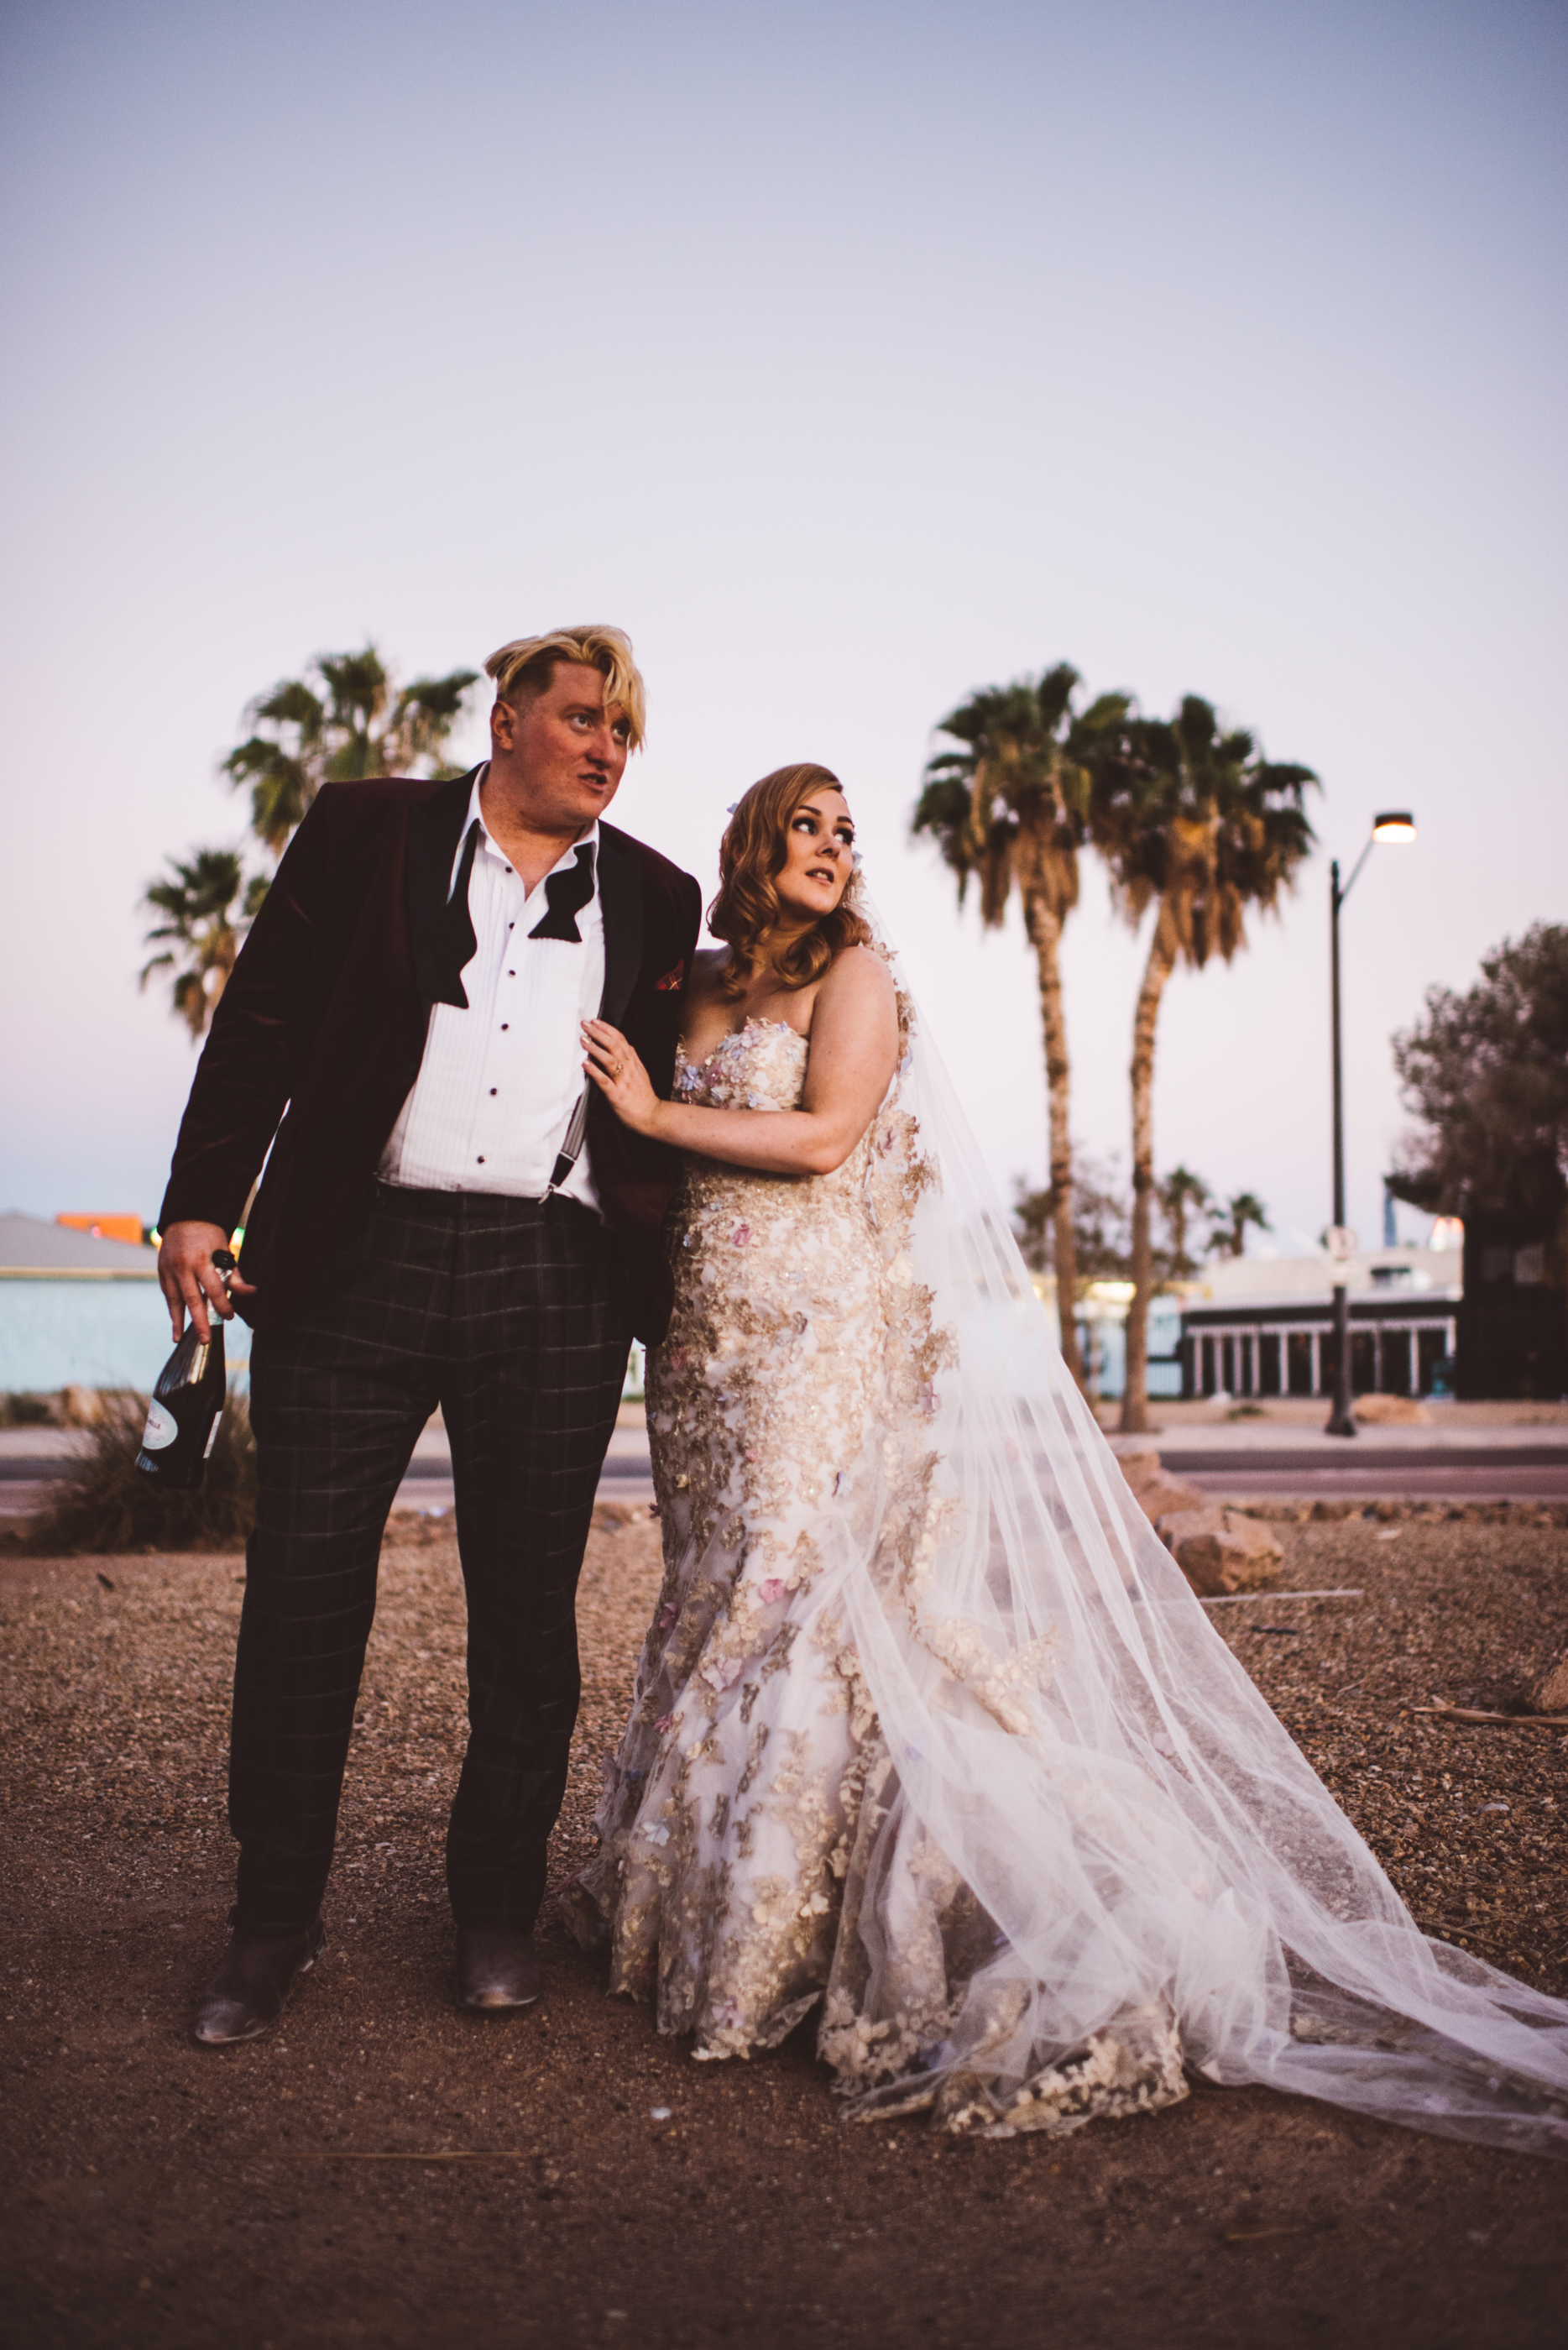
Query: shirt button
x,y
504,1025
481,1159
511,974
492,1093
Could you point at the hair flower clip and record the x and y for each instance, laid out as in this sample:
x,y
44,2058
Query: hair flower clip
x,y
732,807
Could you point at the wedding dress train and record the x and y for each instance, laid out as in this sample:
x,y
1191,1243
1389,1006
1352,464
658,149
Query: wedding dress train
x,y
929,1727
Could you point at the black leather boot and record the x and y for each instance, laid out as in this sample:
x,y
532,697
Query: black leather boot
x,y
253,1979
497,1967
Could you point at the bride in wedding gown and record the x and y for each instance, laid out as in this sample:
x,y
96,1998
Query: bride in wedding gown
x,y
929,1729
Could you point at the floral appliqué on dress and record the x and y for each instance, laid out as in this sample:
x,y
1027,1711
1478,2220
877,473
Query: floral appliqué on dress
x,y
789,1413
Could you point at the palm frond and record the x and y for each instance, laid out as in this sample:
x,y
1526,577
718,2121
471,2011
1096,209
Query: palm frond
x,y
1012,806
292,703
1194,815
423,716
197,906
358,688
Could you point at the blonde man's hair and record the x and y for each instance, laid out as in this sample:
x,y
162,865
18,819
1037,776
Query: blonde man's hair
x,y
523,669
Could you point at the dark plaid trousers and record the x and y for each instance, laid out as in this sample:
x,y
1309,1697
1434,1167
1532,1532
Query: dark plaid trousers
x,y
509,1314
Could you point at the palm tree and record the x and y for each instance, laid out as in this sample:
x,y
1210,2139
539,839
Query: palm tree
x,y
1229,1236
353,722
350,723
1009,807
1182,1194
198,911
1194,821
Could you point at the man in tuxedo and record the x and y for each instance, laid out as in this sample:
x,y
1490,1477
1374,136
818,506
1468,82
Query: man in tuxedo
x,y
449,1215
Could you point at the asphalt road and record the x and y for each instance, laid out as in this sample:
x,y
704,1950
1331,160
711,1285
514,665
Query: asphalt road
x,y
1353,1468
1462,1467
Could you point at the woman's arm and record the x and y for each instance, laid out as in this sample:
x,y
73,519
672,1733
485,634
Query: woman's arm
x,y
854,1049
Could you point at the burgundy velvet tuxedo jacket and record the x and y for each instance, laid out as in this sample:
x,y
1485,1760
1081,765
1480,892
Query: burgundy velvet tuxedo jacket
x,y
324,1016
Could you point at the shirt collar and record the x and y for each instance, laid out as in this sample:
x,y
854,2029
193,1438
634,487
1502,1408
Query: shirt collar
x,y
487,840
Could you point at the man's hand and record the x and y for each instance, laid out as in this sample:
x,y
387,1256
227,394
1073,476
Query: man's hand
x,y
190,1282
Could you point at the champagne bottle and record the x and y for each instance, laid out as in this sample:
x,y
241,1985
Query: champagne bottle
x,y
187,1404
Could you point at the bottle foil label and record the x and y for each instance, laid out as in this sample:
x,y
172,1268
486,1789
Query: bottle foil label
x,y
211,1436
161,1427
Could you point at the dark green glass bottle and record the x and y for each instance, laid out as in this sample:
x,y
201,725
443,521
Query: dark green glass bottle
x,y
187,1404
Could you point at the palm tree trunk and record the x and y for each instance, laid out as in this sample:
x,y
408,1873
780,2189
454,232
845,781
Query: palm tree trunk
x,y
1162,952
1045,926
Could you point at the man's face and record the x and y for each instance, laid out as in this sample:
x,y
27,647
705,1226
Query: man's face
x,y
563,752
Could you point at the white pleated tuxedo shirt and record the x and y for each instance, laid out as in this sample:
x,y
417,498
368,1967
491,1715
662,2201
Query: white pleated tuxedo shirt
x,y
498,1083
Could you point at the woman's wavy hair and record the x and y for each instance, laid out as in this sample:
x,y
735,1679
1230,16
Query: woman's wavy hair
x,y
750,855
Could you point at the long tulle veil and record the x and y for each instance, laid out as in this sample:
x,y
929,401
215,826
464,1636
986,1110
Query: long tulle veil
x,y
1147,1857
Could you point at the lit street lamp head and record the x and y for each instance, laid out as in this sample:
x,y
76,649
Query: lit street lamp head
x,y
1395,824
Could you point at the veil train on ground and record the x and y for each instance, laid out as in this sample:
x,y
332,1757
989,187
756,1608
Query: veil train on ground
x,y
1082,1856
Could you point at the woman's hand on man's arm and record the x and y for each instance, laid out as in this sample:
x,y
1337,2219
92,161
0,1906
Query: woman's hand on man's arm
x,y
854,1052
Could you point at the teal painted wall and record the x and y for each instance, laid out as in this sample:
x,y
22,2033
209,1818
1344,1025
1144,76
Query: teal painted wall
x,y
91,1334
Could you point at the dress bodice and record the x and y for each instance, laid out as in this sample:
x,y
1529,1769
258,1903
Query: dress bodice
x,y
759,1067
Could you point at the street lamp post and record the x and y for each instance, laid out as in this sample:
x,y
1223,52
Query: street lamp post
x,y
1394,824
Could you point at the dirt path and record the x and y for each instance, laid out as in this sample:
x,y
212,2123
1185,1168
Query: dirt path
x,y
158,2193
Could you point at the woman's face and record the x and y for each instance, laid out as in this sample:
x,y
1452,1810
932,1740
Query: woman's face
x,y
818,857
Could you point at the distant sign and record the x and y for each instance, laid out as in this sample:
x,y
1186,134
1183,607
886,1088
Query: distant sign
x,y
1341,1243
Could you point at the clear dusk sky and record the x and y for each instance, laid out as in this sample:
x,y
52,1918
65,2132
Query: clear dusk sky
x,y
851,357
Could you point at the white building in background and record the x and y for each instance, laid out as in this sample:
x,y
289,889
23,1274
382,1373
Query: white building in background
x,y
78,1311
1259,1325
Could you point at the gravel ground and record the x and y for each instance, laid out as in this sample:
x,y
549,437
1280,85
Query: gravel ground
x,y
158,2193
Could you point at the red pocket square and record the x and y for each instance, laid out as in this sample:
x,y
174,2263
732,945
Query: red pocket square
x,y
672,979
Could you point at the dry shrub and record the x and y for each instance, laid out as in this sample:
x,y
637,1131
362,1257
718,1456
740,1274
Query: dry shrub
x,y
102,1502
23,1409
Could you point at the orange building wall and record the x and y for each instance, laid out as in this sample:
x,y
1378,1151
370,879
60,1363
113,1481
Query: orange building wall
x,y
104,1228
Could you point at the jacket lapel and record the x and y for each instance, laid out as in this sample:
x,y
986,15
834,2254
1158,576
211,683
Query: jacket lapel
x,y
434,826
621,901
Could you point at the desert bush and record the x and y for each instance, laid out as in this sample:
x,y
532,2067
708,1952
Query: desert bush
x,y
102,1502
25,1411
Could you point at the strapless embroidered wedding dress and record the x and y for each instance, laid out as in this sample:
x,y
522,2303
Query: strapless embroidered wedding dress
x,y
729,1814
928,1728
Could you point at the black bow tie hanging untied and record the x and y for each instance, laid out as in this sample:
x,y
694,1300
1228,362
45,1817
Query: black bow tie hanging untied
x,y
568,893
453,941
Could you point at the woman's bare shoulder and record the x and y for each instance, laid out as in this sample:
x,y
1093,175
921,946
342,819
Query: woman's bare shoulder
x,y
858,977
